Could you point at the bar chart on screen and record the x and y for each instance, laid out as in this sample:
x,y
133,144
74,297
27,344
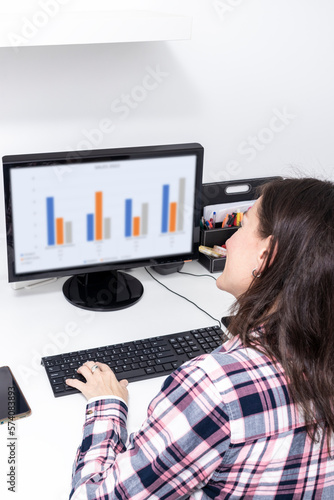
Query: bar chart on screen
x,y
105,211
59,232
98,226
173,211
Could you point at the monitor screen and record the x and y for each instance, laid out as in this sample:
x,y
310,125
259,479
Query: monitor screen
x,y
88,212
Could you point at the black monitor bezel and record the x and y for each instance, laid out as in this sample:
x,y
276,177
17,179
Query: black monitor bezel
x,y
113,154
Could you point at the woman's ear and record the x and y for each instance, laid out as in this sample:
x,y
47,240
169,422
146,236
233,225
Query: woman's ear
x,y
265,248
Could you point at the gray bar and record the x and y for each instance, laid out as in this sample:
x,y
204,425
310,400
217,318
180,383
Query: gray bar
x,y
144,219
107,228
180,205
68,232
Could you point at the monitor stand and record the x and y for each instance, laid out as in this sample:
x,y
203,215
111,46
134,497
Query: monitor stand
x,y
103,291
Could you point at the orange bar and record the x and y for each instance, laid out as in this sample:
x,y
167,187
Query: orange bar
x,y
98,215
136,226
172,217
60,231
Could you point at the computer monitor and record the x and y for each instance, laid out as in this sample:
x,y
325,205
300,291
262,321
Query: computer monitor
x,y
91,214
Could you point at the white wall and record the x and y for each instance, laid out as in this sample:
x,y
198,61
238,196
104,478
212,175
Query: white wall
x,y
249,63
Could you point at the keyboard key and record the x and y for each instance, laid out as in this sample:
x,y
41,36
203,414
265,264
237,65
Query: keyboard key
x,y
57,381
69,389
161,355
57,374
168,366
168,359
58,388
53,369
139,374
150,370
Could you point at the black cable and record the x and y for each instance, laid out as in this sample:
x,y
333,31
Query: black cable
x,y
198,275
183,297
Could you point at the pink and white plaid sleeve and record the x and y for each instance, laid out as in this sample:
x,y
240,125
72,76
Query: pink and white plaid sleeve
x,y
173,455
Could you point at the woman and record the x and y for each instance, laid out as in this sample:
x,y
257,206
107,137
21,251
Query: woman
x,y
255,418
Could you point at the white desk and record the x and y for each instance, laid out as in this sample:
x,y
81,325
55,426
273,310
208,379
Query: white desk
x,y
40,322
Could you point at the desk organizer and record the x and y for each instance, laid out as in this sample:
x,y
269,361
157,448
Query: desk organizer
x,y
225,193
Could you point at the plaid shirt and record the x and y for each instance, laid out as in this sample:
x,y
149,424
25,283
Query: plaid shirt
x,y
223,426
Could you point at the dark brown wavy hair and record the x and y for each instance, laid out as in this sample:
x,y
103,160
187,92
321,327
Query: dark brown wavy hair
x,y
293,299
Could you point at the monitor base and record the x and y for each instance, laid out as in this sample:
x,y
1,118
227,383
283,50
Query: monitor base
x,y
103,291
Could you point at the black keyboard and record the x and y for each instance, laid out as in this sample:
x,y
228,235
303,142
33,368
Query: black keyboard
x,y
136,360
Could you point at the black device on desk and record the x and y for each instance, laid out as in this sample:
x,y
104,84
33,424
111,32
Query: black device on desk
x,y
136,360
13,404
92,213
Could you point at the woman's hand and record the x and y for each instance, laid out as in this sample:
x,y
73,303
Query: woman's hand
x,y
100,382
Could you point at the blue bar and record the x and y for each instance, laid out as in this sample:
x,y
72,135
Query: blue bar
x,y
128,218
165,208
90,227
50,214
